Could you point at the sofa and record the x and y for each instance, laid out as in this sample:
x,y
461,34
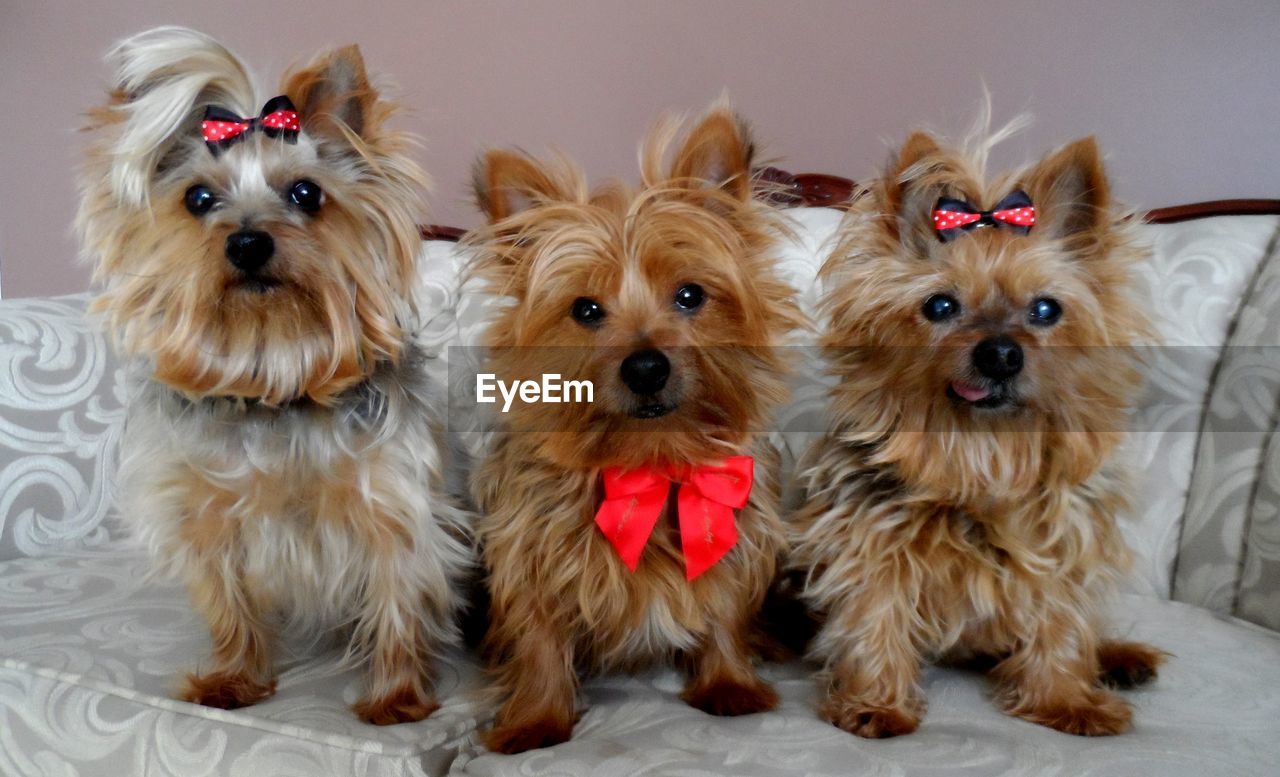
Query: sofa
x,y
90,646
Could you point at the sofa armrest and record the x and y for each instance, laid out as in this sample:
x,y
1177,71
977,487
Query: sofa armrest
x,y
61,416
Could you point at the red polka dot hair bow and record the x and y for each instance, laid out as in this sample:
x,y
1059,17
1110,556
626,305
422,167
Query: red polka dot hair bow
x,y
222,128
951,217
708,495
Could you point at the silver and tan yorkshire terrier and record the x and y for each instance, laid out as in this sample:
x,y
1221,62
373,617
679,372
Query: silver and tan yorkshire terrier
x,y
280,457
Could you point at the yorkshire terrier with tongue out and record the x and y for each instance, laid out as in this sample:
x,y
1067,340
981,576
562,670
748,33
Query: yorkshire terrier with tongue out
x,y
963,504
642,526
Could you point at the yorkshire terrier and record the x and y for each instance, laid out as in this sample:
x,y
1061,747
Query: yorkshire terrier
x,y
962,505
257,263
643,526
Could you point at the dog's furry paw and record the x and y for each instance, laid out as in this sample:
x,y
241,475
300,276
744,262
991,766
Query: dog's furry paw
x,y
224,690
405,705
868,721
1126,665
519,737
1099,714
729,698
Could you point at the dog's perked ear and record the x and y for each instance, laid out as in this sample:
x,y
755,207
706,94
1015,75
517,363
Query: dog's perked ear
x,y
334,96
908,167
162,80
1072,196
716,154
919,173
507,183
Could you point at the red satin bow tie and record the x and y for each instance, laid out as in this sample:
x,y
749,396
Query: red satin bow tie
x,y
951,217
221,128
708,495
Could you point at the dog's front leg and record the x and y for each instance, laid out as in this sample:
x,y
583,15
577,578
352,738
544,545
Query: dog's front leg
x,y
723,680
874,661
241,672
538,675
394,637
1052,677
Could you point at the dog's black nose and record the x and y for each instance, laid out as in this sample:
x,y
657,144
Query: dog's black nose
x,y
998,358
249,249
646,372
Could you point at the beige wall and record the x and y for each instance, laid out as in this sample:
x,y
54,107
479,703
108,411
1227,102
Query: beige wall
x,y
1181,94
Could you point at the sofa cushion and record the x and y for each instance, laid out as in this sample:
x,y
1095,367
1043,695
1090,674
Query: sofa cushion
x,y
89,651
1199,274
1227,557
89,655
1259,597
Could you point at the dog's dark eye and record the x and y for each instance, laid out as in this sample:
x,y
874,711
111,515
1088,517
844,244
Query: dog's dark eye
x,y
586,311
199,199
306,195
690,296
940,307
1045,311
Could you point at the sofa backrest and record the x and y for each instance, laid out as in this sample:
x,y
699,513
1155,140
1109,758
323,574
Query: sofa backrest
x,y
1207,525
1228,544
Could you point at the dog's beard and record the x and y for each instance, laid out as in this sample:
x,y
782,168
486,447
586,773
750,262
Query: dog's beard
x,y
275,346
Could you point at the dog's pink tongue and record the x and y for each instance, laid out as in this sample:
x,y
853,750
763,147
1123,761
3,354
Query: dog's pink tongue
x,y
970,393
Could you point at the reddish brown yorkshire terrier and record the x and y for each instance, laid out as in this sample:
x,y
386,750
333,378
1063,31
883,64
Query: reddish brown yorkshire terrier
x,y
620,532
963,504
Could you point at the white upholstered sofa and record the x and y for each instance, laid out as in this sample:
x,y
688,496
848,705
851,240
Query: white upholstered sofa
x,y
89,649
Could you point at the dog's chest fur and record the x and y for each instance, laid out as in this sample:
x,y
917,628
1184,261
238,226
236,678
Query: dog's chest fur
x,y
543,547
978,574
299,500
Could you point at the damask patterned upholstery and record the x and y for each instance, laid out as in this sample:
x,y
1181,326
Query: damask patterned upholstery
x,y
1229,553
61,414
89,648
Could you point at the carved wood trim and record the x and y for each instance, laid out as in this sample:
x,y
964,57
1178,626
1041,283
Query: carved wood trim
x,y
1201,210
440,232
